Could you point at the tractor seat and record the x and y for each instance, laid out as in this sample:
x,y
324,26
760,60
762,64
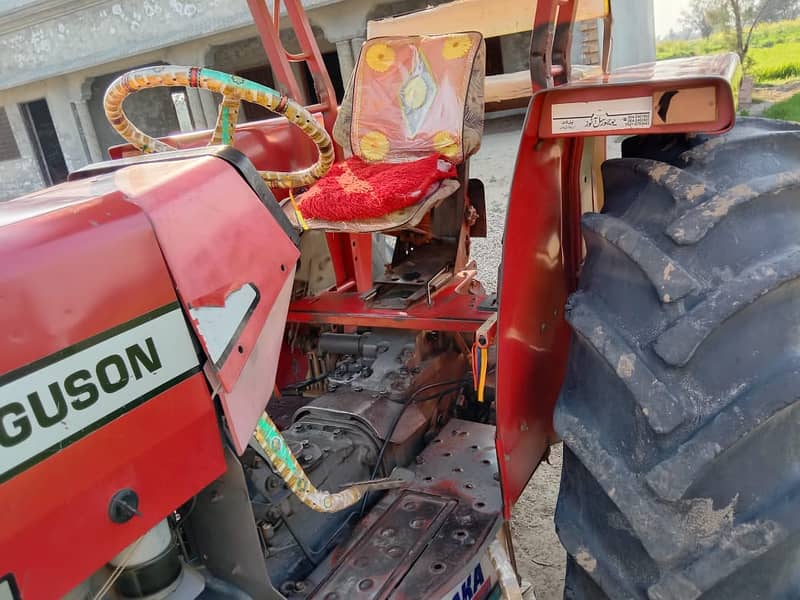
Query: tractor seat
x,y
411,115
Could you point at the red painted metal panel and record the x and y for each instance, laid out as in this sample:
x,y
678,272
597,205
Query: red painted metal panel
x,y
75,261
215,242
54,526
285,78
271,145
449,312
245,402
532,337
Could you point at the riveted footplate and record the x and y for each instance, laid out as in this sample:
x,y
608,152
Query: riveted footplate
x,y
427,539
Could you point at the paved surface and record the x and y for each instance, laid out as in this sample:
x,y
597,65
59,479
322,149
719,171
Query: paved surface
x,y
540,557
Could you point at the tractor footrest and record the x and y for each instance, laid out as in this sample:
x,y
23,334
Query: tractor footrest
x,y
429,540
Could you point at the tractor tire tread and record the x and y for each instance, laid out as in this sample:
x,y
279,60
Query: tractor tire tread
x,y
655,442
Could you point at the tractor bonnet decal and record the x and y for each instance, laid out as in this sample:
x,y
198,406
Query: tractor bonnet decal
x,y
53,402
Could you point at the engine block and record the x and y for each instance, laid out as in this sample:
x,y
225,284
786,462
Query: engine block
x,y
385,383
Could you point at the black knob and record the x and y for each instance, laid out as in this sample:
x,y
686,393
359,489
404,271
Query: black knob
x,y
124,505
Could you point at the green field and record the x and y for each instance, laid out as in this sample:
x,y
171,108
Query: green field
x,y
787,110
774,50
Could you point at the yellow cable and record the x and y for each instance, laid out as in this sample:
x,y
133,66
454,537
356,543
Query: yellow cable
x,y
482,379
475,366
300,218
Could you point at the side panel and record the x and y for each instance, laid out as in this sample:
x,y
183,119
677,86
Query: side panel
x,y
83,284
232,264
533,337
54,526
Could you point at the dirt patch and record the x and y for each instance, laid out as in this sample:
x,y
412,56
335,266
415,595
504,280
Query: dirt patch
x,y
769,95
541,559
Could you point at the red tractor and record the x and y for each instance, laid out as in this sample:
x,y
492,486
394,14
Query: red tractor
x,y
215,382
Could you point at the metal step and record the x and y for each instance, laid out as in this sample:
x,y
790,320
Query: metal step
x,y
428,540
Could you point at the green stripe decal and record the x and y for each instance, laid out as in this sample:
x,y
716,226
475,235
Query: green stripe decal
x,y
226,126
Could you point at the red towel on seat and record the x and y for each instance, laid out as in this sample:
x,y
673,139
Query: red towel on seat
x,y
355,189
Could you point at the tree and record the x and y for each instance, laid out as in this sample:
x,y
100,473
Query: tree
x,y
739,17
706,16
782,11
746,15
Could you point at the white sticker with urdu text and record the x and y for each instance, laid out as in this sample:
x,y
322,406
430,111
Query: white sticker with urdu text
x,y
603,115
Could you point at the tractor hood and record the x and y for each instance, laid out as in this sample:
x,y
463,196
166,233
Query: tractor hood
x,y
228,248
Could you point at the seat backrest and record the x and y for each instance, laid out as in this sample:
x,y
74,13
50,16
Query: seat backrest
x,y
410,97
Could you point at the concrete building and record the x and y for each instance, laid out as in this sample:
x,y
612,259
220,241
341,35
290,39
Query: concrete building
x,y
58,56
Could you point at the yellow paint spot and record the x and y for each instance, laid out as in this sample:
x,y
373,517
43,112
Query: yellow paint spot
x,y
456,46
380,57
445,143
374,146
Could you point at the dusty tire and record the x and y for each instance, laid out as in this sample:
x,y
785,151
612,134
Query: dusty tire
x,y
680,411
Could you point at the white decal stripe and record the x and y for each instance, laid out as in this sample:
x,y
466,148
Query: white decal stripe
x,y
171,340
218,325
5,591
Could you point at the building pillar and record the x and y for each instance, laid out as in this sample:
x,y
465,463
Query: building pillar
x,y
344,51
202,104
209,107
196,108
628,48
73,130
356,44
515,49
88,135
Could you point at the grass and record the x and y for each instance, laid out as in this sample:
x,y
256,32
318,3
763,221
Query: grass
x,y
776,63
787,110
774,50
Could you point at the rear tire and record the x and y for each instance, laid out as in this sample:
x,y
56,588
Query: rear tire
x,y
680,411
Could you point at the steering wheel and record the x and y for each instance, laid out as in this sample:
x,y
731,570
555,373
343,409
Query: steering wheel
x,y
233,89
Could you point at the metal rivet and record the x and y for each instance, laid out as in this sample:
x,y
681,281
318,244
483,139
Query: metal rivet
x,y
365,584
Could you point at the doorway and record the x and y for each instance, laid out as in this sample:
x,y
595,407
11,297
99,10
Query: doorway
x,y
46,146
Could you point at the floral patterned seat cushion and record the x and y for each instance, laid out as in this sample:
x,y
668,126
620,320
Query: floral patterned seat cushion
x,y
410,97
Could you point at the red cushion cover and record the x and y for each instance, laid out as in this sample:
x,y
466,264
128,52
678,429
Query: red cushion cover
x,y
355,189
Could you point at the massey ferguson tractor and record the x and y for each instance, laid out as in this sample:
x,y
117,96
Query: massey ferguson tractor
x,y
256,362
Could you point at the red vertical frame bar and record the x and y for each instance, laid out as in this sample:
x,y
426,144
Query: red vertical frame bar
x,y
351,256
313,57
278,61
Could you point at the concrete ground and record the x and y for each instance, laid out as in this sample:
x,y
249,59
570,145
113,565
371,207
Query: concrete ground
x,y
540,557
